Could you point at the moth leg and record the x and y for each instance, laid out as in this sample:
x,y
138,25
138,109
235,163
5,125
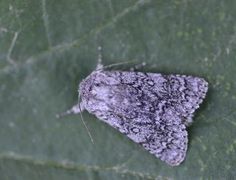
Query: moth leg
x,y
99,63
138,66
76,109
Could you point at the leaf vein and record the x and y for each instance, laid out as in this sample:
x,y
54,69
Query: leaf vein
x,y
46,22
77,42
67,165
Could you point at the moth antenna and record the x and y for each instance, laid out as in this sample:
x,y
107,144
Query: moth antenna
x,y
100,65
116,64
88,131
75,110
138,66
82,119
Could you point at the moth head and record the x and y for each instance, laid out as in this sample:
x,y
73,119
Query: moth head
x,y
96,90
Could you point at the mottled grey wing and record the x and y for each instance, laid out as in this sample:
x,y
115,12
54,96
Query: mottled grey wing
x,y
182,93
164,136
151,109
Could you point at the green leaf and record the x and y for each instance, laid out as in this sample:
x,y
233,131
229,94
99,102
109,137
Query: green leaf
x,y
47,47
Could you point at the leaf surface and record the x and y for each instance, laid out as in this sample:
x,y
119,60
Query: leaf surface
x,y
48,47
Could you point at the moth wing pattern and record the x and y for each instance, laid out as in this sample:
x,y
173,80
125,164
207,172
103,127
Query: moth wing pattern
x,y
185,93
151,109
166,138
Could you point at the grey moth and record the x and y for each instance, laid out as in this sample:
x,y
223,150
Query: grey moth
x,y
151,109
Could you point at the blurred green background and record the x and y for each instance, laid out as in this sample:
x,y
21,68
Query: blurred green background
x,y
47,47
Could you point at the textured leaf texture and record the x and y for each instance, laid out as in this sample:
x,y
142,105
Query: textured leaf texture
x,y
48,46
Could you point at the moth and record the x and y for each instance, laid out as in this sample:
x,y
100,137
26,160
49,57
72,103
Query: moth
x,y
151,109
